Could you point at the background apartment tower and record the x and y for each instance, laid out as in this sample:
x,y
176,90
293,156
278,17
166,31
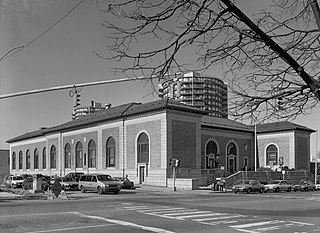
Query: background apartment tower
x,y
201,91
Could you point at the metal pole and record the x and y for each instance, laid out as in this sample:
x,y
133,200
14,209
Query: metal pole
x,y
316,162
174,178
255,147
73,86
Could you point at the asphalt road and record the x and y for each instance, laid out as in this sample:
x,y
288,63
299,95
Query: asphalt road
x,y
166,212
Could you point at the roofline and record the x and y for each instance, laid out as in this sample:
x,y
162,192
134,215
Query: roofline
x,y
163,105
228,128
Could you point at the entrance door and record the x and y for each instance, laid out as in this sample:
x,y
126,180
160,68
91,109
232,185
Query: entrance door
x,y
231,165
141,174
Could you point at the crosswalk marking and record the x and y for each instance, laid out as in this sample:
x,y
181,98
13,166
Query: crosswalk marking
x,y
218,218
196,216
187,213
257,224
209,219
250,224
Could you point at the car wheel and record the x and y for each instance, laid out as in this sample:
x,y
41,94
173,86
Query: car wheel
x,y
82,189
100,191
249,190
261,190
289,189
277,189
306,189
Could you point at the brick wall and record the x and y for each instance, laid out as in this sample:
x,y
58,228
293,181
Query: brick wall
x,y
285,144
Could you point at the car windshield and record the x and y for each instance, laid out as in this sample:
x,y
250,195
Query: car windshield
x,y
104,177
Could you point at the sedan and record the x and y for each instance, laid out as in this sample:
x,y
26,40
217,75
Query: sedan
x,y
69,183
304,185
248,186
278,185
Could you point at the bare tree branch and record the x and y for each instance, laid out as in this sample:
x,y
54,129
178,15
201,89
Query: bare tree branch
x,y
274,58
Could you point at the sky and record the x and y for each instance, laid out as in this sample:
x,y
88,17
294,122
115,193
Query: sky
x,y
62,56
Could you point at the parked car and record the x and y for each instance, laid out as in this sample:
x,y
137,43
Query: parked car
x,y
16,181
278,185
68,183
100,183
248,186
304,185
75,175
126,183
317,186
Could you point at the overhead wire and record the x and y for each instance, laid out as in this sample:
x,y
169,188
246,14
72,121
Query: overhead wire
x,y
19,48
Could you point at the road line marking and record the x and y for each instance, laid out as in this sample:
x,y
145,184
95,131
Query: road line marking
x,y
208,219
195,216
257,224
163,210
217,218
219,222
129,224
136,207
302,223
186,213
71,228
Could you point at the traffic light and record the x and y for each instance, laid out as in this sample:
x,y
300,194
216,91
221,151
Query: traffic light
x,y
160,90
171,163
177,163
76,99
280,103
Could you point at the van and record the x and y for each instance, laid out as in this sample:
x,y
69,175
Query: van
x,y
100,183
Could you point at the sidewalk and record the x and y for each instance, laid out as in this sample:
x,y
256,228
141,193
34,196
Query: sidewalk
x,y
16,194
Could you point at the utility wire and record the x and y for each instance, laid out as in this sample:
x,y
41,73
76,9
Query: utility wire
x,y
19,48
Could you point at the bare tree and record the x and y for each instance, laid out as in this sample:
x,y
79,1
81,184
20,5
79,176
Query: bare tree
x,y
271,64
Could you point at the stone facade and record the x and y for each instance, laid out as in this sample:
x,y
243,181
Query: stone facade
x,y
204,145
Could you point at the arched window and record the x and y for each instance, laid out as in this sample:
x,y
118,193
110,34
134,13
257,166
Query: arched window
x,y
212,157
111,152
92,154
53,157
272,155
79,155
44,158
232,150
143,148
14,161
28,159
36,159
67,156
20,160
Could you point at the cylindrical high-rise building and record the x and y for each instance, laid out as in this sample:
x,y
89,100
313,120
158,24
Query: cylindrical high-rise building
x,y
201,91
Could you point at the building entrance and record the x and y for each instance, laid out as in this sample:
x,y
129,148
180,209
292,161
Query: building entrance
x,y
141,174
